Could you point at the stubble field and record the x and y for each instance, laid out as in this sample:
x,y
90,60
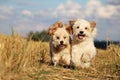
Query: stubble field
x,y
22,59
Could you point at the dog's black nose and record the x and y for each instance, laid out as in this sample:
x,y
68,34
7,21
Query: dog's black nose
x,y
61,42
81,32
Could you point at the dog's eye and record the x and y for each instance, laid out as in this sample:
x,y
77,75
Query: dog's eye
x,y
57,37
64,37
77,27
86,28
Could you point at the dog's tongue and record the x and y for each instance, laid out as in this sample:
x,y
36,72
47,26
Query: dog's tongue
x,y
81,36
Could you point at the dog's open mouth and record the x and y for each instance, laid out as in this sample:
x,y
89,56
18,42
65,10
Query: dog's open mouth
x,y
81,36
61,45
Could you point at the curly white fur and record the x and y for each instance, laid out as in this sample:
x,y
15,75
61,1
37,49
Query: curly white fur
x,y
83,49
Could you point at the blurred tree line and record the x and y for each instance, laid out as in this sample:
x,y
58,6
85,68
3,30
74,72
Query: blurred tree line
x,y
38,36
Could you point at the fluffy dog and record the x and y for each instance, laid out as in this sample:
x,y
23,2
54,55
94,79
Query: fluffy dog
x,y
59,43
83,49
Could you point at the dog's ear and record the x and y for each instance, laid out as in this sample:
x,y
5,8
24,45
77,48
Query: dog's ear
x,y
68,28
93,28
58,24
92,24
53,28
71,22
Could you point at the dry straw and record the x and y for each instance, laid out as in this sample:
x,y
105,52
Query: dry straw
x,y
21,59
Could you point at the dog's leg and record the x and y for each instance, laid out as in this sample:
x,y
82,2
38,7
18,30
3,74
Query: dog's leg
x,y
85,65
51,52
66,57
51,56
56,59
55,62
75,60
85,60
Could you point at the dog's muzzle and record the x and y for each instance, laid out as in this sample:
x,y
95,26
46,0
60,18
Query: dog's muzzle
x,y
81,35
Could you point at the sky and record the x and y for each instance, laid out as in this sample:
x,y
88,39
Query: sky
x,y
38,15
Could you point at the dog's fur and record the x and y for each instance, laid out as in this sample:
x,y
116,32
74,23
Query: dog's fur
x,y
59,43
83,49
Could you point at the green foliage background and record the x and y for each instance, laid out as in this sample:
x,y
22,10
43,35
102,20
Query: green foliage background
x,y
39,36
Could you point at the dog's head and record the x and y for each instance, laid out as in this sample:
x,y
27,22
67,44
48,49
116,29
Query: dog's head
x,y
83,29
60,35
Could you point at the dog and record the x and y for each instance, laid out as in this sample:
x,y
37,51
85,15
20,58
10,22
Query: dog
x,y
60,43
83,49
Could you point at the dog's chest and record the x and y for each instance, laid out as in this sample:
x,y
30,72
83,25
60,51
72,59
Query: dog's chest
x,y
65,51
77,51
83,47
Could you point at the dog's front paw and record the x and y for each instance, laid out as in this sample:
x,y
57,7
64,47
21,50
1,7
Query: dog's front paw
x,y
85,58
55,62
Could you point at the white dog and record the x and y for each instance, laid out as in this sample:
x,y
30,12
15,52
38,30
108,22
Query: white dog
x,y
83,49
59,44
